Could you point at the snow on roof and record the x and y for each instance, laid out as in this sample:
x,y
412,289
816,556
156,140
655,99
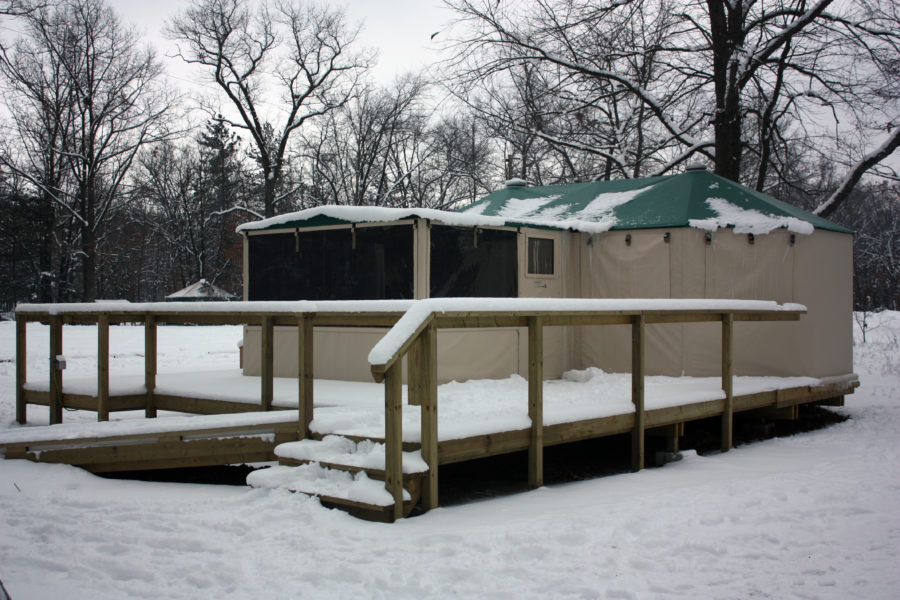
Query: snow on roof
x,y
747,220
698,199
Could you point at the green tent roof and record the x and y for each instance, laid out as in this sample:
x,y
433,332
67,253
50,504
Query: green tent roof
x,y
692,199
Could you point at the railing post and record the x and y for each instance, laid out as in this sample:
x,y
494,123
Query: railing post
x,y
103,367
56,374
637,392
414,376
393,435
305,379
536,401
150,357
428,380
727,381
21,369
267,371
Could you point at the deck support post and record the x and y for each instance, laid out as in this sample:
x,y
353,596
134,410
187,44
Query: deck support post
x,y
536,401
429,406
21,369
150,352
56,374
637,392
393,435
103,367
267,366
727,381
305,373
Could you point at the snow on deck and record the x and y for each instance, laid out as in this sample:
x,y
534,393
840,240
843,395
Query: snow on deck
x,y
465,409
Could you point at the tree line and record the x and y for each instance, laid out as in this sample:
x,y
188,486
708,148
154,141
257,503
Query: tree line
x,y
112,187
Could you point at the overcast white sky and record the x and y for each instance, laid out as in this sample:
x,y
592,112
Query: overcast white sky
x,y
399,29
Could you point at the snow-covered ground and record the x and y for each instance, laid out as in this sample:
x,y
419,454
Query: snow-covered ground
x,y
816,515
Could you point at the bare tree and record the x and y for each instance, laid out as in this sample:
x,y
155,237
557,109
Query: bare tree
x,y
39,98
95,101
654,82
349,156
254,51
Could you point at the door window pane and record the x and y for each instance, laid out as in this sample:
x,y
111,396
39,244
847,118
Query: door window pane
x,y
540,256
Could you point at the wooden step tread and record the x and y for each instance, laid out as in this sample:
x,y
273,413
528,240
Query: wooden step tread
x,y
331,484
339,452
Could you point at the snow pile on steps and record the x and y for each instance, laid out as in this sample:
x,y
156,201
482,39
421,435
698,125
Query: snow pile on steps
x,y
316,480
338,450
325,474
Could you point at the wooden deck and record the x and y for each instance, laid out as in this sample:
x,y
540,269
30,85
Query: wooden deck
x,y
194,441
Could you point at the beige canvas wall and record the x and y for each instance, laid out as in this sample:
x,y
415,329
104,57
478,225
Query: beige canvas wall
x,y
814,270
342,353
615,267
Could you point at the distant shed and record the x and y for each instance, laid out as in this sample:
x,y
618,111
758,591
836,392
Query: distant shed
x,y
198,291
691,235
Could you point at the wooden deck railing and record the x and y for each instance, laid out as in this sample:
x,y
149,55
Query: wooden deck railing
x,y
266,315
415,336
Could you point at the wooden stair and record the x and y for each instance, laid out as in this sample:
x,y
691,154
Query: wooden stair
x,y
343,472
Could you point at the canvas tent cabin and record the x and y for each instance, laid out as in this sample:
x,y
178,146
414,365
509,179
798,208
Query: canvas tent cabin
x,y
200,291
691,235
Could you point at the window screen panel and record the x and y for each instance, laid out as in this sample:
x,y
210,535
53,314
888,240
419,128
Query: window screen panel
x,y
460,267
325,265
540,256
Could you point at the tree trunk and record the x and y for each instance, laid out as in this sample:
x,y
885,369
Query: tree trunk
x,y
269,186
45,253
88,247
726,33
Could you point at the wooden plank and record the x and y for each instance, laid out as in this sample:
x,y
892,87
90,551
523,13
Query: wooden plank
x,y
150,359
728,381
103,367
481,446
86,401
21,369
586,320
459,321
429,417
267,369
305,365
162,455
587,429
56,375
279,428
393,433
380,319
536,401
204,406
685,412
637,392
